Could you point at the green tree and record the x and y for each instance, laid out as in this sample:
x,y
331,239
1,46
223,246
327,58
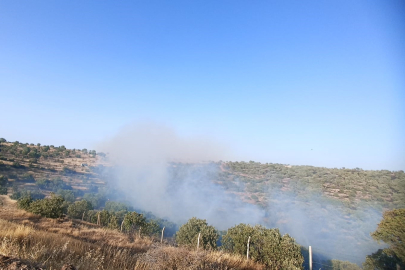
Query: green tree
x,y
134,221
115,206
188,234
391,231
2,140
96,199
113,224
152,228
24,202
267,246
67,195
53,207
382,261
77,209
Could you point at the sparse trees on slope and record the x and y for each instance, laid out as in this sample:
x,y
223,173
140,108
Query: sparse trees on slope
x,y
188,234
267,246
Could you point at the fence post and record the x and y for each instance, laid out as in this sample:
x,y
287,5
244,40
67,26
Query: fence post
x,y
247,253
98,219
122,223
198,241
310,258
161,238
83,215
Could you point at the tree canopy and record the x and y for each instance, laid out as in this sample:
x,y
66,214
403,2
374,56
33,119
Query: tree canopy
x,y
266,246
188,234
391,230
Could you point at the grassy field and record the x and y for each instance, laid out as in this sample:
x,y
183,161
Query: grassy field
x,y
51,243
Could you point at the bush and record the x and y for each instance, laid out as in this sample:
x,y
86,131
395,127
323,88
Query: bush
x,y
133,221
96,199
188,234
53,207
115,206
24,202
77,209
267,246
67,195
17,194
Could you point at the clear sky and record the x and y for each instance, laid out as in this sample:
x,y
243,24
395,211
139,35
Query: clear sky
x,y
298,82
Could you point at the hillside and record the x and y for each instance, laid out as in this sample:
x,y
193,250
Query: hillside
x,y
85,170
336,209
26,164
253,181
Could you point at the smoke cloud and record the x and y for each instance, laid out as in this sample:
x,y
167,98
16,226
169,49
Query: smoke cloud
x,y
331,228
162,172
155,172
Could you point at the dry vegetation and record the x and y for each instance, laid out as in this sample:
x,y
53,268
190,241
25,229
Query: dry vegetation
x,y
52,243
22,164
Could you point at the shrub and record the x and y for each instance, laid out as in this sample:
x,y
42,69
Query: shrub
x,y
53,207
267,246
17,194
67,195
133,220
24,202
77,209
115,206
96,199
188,234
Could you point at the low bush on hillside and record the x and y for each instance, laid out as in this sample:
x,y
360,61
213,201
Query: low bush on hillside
x,y
267,246
189,233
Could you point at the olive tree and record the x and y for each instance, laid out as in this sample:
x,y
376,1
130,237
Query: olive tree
x,y
391,231
267,246
77,209
133,221
53,207
188,234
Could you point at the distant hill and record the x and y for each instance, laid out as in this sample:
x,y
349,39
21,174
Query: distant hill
x,y
252,181
85,171
26,165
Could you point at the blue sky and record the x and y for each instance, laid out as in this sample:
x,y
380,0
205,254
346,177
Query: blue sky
x,y
271,79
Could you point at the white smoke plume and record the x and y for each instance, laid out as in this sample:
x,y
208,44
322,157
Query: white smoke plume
x,y
144,155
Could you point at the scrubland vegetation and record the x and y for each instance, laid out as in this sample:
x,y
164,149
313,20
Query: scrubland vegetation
x,y
58,210
351,186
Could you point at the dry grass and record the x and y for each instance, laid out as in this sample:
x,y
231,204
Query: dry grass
x,y
76,229
164,257
52,243
53,250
